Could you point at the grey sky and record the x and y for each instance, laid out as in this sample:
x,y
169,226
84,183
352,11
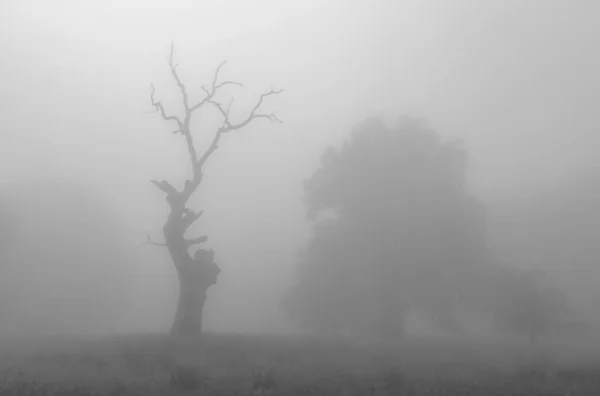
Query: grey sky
x,y
517,79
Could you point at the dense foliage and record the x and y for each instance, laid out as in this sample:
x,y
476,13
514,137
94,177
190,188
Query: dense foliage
x,y
394,229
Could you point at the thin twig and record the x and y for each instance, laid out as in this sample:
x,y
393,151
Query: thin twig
x,y
149,240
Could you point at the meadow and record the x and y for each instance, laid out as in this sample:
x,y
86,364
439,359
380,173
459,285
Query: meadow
x,y
293,365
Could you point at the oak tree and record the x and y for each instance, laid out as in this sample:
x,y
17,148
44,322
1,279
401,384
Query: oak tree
x,y
402,233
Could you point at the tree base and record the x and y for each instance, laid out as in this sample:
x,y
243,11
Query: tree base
x,y
186,328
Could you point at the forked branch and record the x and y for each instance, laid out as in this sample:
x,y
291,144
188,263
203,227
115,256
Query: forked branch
x,y
189,218
159,108
184,125
215,86
149,240
165,187
182,218
182,89
228,126
196,241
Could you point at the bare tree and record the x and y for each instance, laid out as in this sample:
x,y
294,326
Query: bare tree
x,y
197,273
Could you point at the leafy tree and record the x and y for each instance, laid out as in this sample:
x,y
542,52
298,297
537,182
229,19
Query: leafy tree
x,y
197,271
522,304
553,227
401,232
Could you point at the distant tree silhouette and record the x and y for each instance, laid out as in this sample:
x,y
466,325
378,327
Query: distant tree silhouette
x,y
393,229
554,227
199,271
522,304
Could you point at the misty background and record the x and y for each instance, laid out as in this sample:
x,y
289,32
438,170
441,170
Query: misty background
x,y
517,80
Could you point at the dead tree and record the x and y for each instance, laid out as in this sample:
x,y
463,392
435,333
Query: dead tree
x,y
199,273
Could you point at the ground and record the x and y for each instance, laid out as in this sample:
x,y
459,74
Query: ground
x,y
260,365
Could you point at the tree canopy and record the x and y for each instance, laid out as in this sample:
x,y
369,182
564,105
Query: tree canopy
x,y
553,227
521,303
403,233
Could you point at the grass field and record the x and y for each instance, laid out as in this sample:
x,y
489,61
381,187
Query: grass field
x,y
260,365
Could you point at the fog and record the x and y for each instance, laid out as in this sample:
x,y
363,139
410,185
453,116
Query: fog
x,y
517,80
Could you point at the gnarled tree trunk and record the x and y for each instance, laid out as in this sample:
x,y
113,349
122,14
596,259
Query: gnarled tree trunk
x,y
196,274
194,280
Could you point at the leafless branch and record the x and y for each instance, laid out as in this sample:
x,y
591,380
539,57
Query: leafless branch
x,y
216,77
165,187
228,126
173,68
185,125
214,145
196,241
229,107
216,85
222,84
149,240
181,218
159,108
206,91
189,218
